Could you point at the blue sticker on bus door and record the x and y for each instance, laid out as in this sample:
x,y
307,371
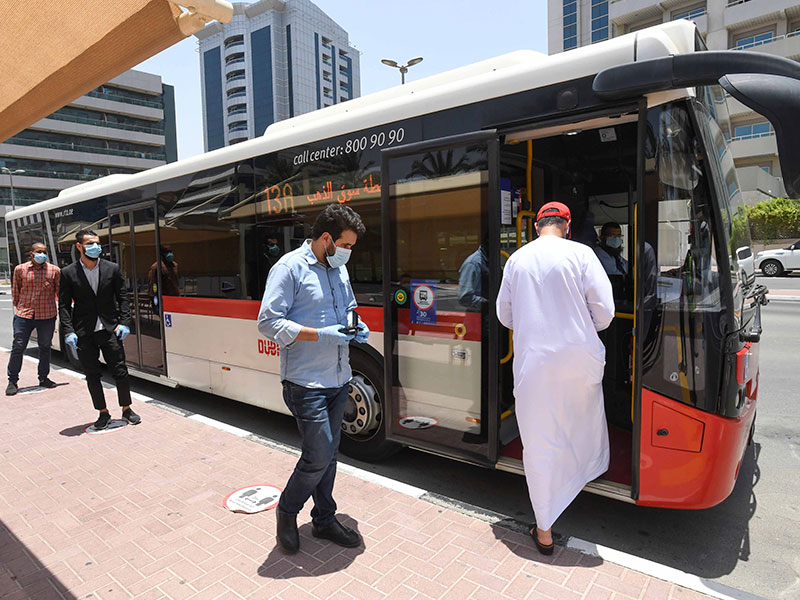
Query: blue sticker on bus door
x,y
423,302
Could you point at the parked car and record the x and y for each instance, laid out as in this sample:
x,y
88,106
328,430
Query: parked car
x,y
774,263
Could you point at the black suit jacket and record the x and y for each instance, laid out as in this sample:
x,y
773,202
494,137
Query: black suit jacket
x,y
79,307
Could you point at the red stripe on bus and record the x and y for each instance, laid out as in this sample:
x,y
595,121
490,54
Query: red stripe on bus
x,y
449,325
212,307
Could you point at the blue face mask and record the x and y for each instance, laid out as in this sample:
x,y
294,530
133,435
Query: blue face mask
x,y
274,250
92,250
40,257
614,242
169,256
339,257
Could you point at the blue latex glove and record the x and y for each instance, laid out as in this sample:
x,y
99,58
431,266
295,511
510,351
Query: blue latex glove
x,y
363,333
122,331
71,339
332,335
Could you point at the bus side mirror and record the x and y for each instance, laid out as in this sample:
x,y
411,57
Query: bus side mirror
x,y
746,260
778,99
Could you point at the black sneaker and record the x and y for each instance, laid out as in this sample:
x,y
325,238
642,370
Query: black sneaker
x,y
48,383
102,421
12,388
131,417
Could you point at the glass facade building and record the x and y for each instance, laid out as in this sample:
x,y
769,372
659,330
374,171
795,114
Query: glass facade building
x,y
123,126
276,59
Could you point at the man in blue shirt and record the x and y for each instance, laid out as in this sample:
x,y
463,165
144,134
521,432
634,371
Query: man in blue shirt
x,y
305,307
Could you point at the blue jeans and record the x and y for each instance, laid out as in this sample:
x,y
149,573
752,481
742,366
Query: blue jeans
x,y
22,334
318,412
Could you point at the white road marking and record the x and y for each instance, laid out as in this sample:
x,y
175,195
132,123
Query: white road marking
x,y
629,561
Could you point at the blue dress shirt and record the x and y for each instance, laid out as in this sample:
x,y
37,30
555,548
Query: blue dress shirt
x,y
302,292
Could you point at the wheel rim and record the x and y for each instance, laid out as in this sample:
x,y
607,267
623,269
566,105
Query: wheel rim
x,y
362,414
770,268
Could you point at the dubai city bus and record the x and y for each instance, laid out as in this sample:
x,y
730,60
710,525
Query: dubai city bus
x,y
446,173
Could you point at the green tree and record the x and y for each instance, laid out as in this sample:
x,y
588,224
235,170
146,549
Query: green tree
x,y
774,219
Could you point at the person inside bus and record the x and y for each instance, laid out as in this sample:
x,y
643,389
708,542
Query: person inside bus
x,y
556,297
305,309
169,277
95,316
609,250
34,289
473,279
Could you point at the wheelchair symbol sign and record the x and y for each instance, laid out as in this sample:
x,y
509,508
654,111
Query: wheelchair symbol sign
x,y
167,320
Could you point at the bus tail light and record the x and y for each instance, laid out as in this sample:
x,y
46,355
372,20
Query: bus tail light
x,y
746,359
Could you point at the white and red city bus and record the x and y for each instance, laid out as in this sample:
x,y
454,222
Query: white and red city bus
x,y
446,173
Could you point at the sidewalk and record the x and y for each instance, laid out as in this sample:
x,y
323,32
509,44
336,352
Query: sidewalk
x,y
137,514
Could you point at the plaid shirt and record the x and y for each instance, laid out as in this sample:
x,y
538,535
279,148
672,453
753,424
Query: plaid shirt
x,y
34,290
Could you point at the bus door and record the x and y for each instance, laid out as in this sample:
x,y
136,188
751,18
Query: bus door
x,y
133,244
440,225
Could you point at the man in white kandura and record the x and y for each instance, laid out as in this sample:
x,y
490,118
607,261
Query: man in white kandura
x,y
556,296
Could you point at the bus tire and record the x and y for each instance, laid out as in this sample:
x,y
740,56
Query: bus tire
x,y
772,268
363,425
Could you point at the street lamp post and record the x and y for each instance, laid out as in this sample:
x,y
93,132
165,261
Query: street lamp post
x,y
403,68
10,174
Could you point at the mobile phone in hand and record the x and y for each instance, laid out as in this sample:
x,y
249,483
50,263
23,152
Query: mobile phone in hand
x,y
352,324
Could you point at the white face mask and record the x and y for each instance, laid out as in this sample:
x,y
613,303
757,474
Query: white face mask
x,y
339,257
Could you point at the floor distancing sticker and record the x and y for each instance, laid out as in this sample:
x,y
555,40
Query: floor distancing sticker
x,y
253,498
418,422
113,425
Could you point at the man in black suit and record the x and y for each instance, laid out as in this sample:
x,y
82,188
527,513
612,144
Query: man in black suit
x,y
95,314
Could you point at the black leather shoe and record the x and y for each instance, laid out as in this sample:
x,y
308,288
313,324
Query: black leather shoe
x,y
338,534
288,537
102,421
12,388
48,383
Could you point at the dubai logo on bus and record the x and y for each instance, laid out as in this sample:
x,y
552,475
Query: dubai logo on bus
x,y
268,348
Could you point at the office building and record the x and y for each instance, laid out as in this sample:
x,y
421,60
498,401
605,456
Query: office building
x,y
276,59
771,26
124,126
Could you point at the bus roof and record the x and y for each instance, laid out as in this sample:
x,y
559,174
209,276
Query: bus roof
x,y
507,74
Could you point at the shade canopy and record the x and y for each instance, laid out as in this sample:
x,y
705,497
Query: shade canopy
x,y
55,51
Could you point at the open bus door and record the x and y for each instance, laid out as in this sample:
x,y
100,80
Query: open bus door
x,y
440,221
133,244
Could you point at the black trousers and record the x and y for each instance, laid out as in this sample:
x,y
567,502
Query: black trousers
x,y
89,348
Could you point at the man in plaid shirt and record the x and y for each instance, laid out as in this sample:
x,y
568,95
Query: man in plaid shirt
x,y
33,291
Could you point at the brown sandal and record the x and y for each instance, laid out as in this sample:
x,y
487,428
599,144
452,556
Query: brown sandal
x,y
546,549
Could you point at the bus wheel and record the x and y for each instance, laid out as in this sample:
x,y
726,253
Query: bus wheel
x,y
772,268
363,427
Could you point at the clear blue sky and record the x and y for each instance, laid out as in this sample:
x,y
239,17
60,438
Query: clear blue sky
x,y
447,33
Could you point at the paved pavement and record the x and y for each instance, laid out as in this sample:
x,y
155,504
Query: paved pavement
x,y
137,513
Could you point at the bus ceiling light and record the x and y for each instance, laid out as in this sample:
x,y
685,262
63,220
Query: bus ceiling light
x,y
201,12
573,132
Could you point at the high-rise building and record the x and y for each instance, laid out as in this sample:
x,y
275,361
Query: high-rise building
x,y
771,26
276,59
124,126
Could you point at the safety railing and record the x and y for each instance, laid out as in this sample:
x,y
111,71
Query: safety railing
x,y
125,99
111,124
757,43
80,148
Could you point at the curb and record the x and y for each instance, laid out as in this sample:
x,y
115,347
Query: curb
x,y
623,559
